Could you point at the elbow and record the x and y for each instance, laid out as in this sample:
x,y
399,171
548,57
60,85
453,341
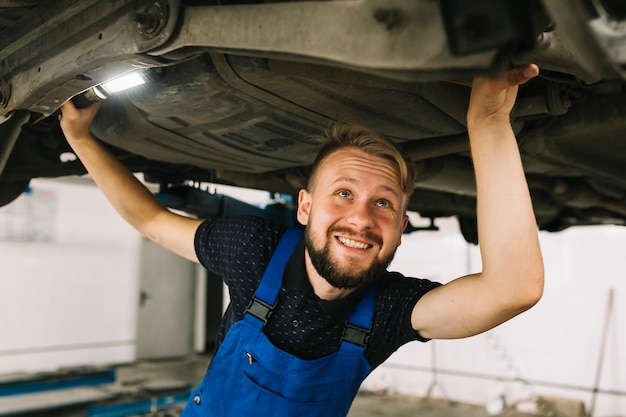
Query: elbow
x,y
147,232
532,298
536,283
149,224
524,290
536,296
538,292
531,291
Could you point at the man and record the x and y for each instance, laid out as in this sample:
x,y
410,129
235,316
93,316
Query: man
x,y
310,318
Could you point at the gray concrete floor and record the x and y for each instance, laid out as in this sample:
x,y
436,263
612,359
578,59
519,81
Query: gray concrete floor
x,y
373,405
157,376
365,405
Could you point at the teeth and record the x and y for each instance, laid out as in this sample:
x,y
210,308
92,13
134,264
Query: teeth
x,y
353,244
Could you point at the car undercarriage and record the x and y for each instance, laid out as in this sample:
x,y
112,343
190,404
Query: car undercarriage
x,y
236,89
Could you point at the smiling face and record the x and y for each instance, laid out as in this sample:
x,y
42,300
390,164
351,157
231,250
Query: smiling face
x,y
354,217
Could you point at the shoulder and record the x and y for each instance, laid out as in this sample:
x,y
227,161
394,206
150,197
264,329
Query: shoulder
x,y
398,294
232,226
394,284
239,230
223,240
391,327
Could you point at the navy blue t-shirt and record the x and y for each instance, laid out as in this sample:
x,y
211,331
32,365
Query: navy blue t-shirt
x,y
239,249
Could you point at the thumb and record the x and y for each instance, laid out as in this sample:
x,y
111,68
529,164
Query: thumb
x,y
519,75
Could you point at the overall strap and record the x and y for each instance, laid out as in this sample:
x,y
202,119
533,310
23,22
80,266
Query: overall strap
x,y
357,330
265,298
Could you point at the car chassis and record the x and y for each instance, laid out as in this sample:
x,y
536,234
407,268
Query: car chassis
x,y
238,88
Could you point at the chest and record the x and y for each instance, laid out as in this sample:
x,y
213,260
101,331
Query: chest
x,y
300,325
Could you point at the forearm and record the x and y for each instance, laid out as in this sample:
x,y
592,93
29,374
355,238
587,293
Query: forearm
x,y
128,196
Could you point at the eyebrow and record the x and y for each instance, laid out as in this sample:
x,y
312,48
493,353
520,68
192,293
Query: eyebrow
x,y
354,181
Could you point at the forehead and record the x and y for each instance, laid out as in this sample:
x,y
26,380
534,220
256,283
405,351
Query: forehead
x,y
354,165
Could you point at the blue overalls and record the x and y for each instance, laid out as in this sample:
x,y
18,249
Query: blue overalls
x,y
249,376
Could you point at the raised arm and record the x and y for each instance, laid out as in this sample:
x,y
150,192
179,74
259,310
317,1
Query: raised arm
x,y
128,196
512,277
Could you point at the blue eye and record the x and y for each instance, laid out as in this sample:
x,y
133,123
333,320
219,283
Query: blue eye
x,y
344,194
383,203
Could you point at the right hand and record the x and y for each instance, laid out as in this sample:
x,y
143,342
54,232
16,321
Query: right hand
x,y
75,122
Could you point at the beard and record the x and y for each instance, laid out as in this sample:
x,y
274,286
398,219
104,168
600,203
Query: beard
x,y
353,275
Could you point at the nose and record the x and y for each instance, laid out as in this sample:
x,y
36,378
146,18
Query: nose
x,y
360,215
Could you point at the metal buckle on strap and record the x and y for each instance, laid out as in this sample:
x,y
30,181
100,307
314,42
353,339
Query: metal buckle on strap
x,y
355,334
260,309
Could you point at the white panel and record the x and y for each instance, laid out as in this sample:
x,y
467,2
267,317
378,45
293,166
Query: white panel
x,y
165,316
64,295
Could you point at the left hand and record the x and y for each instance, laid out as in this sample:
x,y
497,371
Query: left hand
x,y
493,98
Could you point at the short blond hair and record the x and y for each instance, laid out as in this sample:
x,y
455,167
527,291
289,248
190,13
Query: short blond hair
x,y
341,136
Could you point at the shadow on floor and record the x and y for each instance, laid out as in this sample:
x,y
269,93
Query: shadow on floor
x,y
374,405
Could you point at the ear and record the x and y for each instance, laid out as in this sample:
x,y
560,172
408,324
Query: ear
x,y
405,223
304,206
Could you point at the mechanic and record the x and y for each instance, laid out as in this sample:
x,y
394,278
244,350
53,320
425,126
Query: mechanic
x,y
310,317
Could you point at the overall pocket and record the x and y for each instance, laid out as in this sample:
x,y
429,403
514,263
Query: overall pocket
x,y
270,399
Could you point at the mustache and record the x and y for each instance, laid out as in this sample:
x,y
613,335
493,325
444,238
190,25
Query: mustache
x,y
348,232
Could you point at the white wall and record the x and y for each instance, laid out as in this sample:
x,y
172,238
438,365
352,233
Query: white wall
x,y
68,280
555,346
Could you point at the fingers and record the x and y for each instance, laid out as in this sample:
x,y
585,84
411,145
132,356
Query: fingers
x,y
511,78
71,114
495,96
69,109
521,74
75,122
